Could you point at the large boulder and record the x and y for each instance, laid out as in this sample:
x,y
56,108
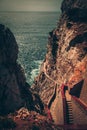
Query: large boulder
x,y
14,91
8,46
10,98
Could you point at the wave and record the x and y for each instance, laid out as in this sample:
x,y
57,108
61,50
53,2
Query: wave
x,y
34,72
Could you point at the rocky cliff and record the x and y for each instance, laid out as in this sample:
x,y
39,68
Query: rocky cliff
x,y
14,91
65,63
20,107
66,57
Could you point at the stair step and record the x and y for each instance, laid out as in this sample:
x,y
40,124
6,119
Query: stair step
x,y
69,112
69,106
70,109
69,103
70,119
71,123
70,116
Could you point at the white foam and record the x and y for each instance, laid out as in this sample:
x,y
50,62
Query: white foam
x,y
36,70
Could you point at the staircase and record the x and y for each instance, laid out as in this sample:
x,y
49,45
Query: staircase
x,y
69,108
69,112
79,111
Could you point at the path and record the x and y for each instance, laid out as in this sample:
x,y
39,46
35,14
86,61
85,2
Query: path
x,y
65,109
55,102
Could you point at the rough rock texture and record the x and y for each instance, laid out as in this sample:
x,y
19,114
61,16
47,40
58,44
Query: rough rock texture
x,y
24,119
14,91
83,95
66,58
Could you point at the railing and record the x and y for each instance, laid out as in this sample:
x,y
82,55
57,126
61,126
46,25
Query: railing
x,y
64,103
73,127
47,110
80,102
52,97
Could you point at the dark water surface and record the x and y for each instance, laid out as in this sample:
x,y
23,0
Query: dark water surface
x,y
31,31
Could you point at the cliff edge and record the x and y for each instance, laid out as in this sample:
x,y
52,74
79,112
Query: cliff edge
x,y
15,92
66,57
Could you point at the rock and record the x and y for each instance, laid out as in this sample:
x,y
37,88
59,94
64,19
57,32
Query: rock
x,y
75,10
8,46
14,91
23,113
66,58
10,98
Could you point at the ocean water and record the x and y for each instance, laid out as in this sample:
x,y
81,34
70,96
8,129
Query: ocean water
x,y
31,31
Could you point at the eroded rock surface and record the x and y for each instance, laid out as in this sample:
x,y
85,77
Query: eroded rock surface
x,y
66,58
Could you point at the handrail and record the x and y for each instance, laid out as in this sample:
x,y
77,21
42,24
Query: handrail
x,y
52,97
73,127
80,102
62,93
64,103
48,113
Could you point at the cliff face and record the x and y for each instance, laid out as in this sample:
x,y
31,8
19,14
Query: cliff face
x,y
14,91
66,58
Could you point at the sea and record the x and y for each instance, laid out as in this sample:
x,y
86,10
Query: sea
x,y
31,30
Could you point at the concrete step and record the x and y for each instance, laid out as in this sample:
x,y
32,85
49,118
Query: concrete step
x,y
69,112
